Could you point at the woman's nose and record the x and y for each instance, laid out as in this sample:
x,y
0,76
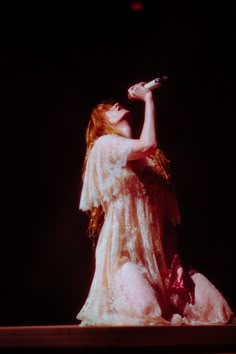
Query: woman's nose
x,y
116,105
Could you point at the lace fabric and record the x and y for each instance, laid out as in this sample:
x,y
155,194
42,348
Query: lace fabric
x,y
129,283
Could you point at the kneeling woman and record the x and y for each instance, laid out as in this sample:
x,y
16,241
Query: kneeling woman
x,y
139,279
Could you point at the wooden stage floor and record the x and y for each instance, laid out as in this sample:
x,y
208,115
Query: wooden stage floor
x,y
72,338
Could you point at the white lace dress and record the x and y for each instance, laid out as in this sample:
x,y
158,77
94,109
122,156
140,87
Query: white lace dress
x,y
128,286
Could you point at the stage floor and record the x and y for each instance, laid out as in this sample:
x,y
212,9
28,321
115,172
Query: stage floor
x,y
217,339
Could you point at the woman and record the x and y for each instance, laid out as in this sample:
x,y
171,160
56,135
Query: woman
x,y
138,279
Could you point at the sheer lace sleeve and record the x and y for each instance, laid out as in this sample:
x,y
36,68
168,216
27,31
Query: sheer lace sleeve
x,y
104,171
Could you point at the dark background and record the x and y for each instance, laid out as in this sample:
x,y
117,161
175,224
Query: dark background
x,y
56,64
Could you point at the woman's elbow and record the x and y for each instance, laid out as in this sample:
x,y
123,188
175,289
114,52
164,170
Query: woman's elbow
x,y
141,149
151,148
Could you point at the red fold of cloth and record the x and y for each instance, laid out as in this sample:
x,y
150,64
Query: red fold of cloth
x,y
179,285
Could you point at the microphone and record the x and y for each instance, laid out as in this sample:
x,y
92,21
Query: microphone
x,y
151,85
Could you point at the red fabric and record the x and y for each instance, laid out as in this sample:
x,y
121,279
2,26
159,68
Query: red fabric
x,y
180,286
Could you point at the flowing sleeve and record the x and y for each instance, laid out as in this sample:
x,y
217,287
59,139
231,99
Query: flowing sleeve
x,y
104,170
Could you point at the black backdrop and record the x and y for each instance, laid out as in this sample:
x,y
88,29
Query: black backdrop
x,y
55,65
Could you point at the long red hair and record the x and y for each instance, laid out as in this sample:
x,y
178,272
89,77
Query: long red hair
x,y
98,125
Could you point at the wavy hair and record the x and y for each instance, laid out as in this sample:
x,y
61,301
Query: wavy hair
x,y
98,125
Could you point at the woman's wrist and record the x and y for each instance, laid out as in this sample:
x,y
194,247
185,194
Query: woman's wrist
x,y
148,96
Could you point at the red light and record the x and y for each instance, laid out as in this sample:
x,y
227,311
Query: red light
x,y
136,6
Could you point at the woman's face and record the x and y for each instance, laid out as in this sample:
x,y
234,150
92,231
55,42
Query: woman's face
x,y
120,118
